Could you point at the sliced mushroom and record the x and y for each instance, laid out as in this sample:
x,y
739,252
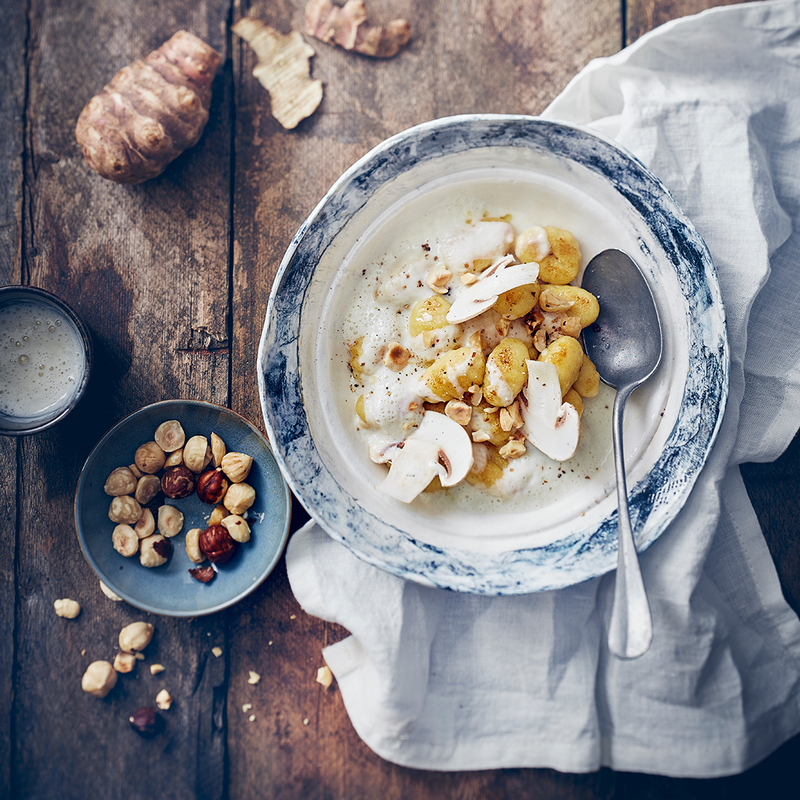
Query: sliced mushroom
x,y
549,424
501,277
439,446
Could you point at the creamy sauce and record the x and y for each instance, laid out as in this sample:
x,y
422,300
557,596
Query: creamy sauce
x,y
393,279
42,361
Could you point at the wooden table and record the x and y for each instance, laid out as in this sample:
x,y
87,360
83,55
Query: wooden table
x,y
172,277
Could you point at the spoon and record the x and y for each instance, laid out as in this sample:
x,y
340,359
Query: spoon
x,y
625,344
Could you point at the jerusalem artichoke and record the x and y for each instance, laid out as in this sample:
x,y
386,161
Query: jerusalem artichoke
x,y
150,111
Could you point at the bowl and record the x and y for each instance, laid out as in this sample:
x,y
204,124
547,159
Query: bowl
x,y
170,590
389,202
45,360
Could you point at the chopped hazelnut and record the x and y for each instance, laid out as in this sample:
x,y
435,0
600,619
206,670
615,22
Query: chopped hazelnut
x,y
124,662
324,677
396,357
69,609
217,651
164,700
156,668
99,679
254,678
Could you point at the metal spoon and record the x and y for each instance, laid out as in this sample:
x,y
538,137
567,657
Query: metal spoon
x,y
625,344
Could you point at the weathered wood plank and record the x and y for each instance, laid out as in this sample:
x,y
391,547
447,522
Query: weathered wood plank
x,y
146,268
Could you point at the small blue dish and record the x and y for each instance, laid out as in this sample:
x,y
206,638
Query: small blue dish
x,y
170,590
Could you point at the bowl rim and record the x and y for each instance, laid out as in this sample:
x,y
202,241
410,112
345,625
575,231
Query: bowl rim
x,y
286,509
35,294
691,246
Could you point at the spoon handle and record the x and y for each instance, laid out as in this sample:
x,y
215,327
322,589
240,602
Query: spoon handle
x,y
631,628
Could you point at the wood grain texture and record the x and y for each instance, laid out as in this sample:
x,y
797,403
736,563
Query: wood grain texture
x,y
172,278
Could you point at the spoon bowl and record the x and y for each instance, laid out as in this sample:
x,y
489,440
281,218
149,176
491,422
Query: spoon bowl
x,y
625,344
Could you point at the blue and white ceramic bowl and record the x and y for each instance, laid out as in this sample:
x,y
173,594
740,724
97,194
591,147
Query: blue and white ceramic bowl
x,y
579,181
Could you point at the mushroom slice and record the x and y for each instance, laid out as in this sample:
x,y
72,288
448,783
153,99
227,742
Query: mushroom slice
x,y
549,424
480,296
438,446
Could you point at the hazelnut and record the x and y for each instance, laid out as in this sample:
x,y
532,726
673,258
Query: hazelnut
x,y
174,459
69,609
125,540
135,637
169,436
170,521
99,678
217,515
120,481
218,449
237,528
147,722
177,482
146,526
211,486
197,454
125,509
239,498
164,700
111,595
154,551
217,544
192,541
149,458
147,488
124,662
203,574
236,466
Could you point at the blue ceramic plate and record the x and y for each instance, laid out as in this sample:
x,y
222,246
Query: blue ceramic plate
x,y
567,176
169,589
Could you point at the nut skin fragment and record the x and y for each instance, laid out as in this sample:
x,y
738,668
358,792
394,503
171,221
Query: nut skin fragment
x,y
135,637
125,509
170,436
149,458
239,497
154,551
203,574
99,679
283,69
237,528
121,481
69,609
177,482
236,466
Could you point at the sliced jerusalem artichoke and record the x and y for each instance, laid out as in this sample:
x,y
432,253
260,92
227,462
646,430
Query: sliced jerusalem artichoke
x,y
439,447
283,70
550,425
480,296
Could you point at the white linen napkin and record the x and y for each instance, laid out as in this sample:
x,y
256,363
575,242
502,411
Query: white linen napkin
x,y
440,680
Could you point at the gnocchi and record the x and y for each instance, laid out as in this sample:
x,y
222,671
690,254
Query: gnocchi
x,y
489,302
